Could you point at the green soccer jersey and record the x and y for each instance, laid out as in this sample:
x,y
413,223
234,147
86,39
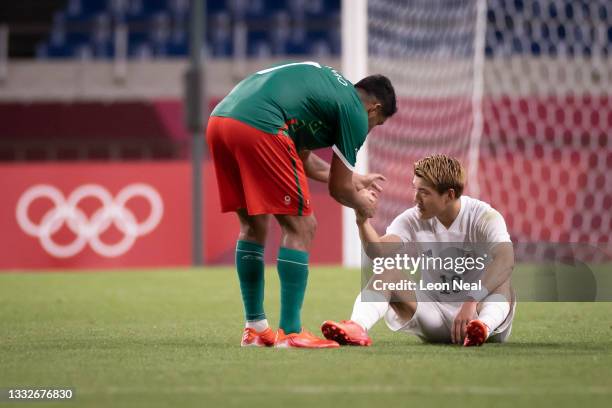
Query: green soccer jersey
x,y
311,103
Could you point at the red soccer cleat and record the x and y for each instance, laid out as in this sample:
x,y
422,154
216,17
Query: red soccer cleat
x,y
304,339
476,333
253,338
347,332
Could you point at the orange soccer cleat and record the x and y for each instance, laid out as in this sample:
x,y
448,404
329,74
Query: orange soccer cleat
x,y
476,333
253,338
347,332
304,339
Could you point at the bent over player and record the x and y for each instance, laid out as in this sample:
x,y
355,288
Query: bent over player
x,y
442,219
260,137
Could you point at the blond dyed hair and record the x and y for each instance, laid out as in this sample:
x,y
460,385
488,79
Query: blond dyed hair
x,y
442,173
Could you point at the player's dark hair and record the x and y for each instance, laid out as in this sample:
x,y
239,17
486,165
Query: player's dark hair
x,y
380,88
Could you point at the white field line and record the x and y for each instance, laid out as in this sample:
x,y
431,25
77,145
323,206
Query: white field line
x,y
353,389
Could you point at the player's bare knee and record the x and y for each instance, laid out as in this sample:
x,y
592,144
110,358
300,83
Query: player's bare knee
x,y
310,227
253,228
305,229
298,230
249,233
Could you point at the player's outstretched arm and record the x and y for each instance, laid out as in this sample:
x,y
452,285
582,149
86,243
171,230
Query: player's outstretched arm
x,y
343,190
374,245
371,181
318,169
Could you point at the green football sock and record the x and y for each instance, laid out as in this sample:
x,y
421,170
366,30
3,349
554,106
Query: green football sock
x,y
293,274
250,266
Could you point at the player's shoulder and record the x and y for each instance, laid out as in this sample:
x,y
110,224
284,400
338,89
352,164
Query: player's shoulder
x,y
479,210
410,220
405,225
409,215
329,86
343,90
474,205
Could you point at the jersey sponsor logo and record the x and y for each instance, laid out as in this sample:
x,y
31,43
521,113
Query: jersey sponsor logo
x,y
66,212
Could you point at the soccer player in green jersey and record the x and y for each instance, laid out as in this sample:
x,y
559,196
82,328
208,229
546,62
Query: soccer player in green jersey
x,y
260,137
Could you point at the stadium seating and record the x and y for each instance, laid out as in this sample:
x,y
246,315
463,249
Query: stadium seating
x,y
159,28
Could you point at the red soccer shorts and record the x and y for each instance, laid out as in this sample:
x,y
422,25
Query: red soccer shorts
x,y
258,171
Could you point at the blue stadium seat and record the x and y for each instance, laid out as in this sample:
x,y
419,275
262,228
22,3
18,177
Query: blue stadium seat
x,y
141,50
258,45
297,9
219,35
83,52
159,28
320,48
138,46
244,9
74,8
84,9
297,41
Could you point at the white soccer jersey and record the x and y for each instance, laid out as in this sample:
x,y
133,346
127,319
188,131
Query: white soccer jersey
x,y
477,222
469,240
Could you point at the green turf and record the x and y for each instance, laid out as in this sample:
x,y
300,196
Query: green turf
x,y
171,338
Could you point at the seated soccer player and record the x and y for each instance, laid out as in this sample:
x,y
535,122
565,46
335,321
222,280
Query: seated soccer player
x,y
443,218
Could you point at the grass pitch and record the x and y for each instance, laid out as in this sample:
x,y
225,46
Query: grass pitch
x,y
171,337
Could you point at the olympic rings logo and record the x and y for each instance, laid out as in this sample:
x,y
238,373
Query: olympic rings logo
x,y
88,229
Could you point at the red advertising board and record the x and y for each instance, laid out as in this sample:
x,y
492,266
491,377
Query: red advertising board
x,y
87,215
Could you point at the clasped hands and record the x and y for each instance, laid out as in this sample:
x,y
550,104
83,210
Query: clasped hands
x,y
368,186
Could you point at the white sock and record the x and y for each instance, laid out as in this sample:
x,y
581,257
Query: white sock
x,y
494,311
371,309
258,325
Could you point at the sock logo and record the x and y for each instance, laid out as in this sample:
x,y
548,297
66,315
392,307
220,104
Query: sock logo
x,y
252,258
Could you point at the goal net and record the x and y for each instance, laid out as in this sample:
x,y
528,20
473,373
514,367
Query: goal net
x,y
519,90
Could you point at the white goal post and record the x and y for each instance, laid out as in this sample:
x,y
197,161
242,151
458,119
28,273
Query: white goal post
x,y
354,67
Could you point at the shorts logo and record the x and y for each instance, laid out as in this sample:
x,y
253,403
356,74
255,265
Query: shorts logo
x,y
287,200
88,229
